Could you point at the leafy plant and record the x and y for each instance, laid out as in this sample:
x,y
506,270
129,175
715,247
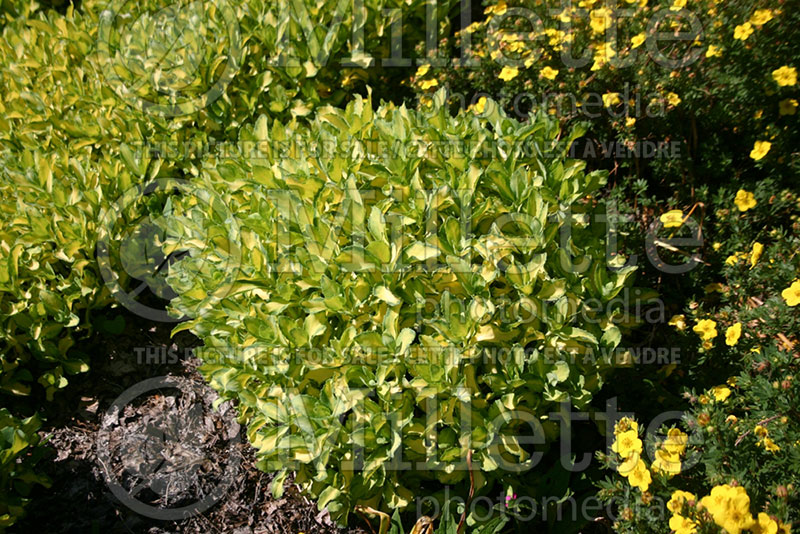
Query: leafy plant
x,y
86,122
18,455
100,101
396,286
715,92
742,433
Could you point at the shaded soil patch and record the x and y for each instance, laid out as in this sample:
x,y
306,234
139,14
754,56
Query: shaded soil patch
x,y
139,464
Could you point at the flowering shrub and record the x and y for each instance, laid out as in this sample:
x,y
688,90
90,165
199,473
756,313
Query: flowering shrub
x,y
718,78
744,456
735,314
746,298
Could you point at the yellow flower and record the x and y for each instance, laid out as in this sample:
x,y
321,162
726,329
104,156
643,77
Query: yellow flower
x,y
732,334
516,46
678,498
743,31
745,200
792,294
730,508
498,9
638,40
678,321
480,105
549,73
721,393
736,520
760,431
760,149
676,441
606,51
731,419
666,462
672,219
787,106
611,99
770,445
627,443
713,51
629,122
765,525
639,476
427,84
706,329
509,73
627,467
624,425
717,245
761,17
673,99
677,5
755,254
472,28
717,500
785,76
682,525
600,20
422,70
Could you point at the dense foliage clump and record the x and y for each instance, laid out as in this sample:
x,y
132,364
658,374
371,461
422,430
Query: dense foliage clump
x,y
399,282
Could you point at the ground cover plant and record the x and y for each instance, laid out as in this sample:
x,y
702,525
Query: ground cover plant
x,y
452,266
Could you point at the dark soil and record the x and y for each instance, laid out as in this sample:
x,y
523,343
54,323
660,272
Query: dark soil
x,y
163,460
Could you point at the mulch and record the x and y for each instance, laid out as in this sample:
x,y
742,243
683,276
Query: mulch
x,y
163,460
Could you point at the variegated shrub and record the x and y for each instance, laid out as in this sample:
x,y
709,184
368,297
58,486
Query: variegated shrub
x,y
103,97
92,106
390,292
18,456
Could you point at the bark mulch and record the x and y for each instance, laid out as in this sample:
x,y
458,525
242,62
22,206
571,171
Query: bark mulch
x,y
163,460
